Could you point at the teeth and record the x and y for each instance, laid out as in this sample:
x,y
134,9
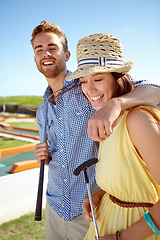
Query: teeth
x,y
48,63
96,98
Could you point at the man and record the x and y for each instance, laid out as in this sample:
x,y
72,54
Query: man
x,y
68,145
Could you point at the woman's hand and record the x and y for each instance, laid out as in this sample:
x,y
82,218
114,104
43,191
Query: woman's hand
x,y
42,153
96,197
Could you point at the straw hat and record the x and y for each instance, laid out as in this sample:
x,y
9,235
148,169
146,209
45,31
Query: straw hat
x,y
100,52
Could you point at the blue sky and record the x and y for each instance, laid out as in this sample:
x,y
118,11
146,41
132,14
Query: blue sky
x,y
136,23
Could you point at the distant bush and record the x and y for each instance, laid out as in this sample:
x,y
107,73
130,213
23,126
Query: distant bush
x,y
29,101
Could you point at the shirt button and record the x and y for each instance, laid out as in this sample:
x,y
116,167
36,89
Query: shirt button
x,y
66,195
65,180
78,113
63,166
62,150
61,134
60,118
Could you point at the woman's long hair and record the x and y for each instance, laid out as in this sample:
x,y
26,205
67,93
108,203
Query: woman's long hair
x,y
124,83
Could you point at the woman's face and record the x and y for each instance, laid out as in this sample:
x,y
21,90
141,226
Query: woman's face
x,y
99,88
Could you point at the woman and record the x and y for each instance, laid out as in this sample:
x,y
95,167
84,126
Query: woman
x,y
128,171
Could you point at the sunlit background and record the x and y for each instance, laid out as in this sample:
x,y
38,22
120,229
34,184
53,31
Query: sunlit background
x,y
136,23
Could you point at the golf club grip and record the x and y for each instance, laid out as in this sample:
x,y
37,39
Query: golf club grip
x,y
38,212
85,165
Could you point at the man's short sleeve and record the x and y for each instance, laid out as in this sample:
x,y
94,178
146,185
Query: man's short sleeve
x,y
144,82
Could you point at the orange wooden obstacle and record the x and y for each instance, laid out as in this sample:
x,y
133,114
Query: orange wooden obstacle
x,y
24,148
24,165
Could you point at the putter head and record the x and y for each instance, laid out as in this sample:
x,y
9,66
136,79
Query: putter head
x,y
85,165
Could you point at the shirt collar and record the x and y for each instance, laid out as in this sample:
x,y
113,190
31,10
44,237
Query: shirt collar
x,y
48,90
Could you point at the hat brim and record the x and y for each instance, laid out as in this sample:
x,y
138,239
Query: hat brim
x,y
85,70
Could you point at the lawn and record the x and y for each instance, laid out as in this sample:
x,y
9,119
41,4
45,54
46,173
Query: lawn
x,y
28,125
29,101
23,228
10,142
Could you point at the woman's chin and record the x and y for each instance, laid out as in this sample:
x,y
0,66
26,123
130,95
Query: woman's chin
x,y
96,107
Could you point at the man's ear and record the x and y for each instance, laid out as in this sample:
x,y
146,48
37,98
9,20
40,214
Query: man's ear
x,y
68,54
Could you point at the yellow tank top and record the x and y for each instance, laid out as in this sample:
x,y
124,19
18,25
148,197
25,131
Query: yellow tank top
x,y
121,172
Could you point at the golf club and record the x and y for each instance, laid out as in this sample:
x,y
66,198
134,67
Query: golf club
x,y
83,167
38,212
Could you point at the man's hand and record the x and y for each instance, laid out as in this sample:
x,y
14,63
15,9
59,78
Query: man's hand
x,y
41,153
100,125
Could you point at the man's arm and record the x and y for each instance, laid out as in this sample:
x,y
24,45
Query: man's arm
x,y
100,124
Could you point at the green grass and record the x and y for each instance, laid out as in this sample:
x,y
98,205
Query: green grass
x,y
29,101
9,142
23,228
28,125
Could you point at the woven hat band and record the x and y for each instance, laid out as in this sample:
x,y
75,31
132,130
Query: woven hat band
x,y
101,61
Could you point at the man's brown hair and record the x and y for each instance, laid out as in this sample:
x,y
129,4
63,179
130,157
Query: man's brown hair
x,y
46,26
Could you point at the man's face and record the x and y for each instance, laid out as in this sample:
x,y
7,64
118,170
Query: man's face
x,y
49,56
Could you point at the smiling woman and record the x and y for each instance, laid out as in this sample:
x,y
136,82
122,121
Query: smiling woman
x,y
99,88
133,147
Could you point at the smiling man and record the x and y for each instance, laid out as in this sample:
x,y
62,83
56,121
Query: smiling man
x,y
68,144
51,55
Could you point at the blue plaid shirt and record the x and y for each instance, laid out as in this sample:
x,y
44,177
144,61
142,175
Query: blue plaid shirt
x,y
70,146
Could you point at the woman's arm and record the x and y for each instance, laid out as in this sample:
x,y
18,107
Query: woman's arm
x,y
105,117
144,132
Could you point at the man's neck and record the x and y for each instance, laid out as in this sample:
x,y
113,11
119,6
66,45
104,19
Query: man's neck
x,y
56,83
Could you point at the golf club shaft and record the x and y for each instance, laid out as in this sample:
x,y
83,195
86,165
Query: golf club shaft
x,y
94,219
38,212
